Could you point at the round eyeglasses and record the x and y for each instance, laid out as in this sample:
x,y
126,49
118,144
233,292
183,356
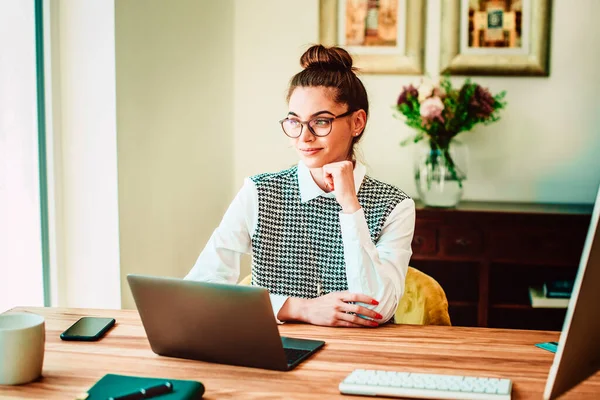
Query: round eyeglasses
x,y
318,126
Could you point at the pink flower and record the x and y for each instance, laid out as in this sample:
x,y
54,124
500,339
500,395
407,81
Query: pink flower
x,y
432,108
425,90
439,91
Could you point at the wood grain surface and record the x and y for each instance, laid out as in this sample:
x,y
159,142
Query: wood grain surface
x,y
70,368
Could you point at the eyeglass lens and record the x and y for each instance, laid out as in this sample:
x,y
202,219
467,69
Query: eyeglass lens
x,y
319,127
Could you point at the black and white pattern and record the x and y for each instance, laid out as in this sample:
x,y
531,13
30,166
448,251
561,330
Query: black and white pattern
x,y
297,247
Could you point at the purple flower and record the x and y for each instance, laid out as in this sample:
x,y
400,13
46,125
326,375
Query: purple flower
x,y
482,103
407,91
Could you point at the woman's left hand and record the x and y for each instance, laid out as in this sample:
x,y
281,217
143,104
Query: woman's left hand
x,y
339,176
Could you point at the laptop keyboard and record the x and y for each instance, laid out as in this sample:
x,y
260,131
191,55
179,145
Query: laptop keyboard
x,y
294,355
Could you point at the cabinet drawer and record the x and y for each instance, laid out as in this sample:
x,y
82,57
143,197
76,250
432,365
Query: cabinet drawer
x,y
424,240
553,247
457,241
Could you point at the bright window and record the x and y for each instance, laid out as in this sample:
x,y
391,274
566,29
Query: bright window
x,y
21,271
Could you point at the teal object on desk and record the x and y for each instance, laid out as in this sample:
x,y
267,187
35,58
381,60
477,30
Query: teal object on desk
x,y
112,385
550,346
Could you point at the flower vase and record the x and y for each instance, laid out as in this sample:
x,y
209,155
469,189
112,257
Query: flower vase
x,y
440,172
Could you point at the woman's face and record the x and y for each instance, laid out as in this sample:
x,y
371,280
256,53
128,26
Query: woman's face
x,y
309,103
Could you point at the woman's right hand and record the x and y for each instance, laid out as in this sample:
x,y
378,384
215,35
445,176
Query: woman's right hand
x,y
333,309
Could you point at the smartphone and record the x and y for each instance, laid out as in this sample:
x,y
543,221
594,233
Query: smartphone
x,y
88,329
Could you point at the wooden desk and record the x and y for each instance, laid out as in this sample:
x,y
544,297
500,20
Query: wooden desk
x,y
71,368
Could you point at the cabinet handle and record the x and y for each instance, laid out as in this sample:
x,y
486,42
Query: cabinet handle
x,y
418,240
462,242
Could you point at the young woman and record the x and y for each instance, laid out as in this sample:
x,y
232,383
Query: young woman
x,y
330,243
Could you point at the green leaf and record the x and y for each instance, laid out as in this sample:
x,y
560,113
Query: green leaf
x,y
407,141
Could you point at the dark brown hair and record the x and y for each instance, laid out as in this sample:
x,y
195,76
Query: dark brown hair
x,y
331,67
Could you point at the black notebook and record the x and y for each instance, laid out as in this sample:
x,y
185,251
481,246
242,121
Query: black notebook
x,y
112,385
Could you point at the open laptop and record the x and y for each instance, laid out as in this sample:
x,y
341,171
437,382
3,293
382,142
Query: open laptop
x,y
227,324
578,353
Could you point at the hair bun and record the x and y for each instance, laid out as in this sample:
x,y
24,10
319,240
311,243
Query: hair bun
x,y
332,58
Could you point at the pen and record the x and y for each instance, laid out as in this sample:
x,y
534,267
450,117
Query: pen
x,y
147,393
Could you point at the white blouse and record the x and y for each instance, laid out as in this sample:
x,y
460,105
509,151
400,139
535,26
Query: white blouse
x,y
377,271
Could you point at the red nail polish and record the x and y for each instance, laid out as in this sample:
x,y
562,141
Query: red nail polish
x,y
379,316
375,302
373,323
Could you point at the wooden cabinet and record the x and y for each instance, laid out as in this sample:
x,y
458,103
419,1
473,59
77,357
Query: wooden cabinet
x,y
486,255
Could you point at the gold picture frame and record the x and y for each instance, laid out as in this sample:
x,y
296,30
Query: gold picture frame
x,y
406,58
459,56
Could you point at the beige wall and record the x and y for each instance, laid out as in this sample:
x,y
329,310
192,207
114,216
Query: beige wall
x,y
545,148
174,116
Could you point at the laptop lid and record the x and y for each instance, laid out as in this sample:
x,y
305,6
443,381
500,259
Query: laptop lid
x,y
227,324
578,353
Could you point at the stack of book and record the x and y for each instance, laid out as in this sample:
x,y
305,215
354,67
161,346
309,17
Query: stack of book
x,y
552,294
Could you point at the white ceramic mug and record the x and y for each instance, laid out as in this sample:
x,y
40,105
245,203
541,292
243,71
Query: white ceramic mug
x,y
22,340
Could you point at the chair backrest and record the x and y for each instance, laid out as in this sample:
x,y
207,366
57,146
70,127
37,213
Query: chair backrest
x,y
423,303
247,280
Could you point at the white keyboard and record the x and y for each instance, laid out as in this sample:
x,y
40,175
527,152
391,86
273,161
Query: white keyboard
x,y
425,386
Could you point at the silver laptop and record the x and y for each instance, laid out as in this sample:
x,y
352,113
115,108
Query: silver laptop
x,y
226,324
578,353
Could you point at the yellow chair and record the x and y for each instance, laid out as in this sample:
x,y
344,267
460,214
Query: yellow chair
x,y
247,280
423,303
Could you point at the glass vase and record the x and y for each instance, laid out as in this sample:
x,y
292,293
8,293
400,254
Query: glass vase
x,y
440,172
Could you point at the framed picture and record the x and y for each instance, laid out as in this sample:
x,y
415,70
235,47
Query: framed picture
x,y
383,36
495,37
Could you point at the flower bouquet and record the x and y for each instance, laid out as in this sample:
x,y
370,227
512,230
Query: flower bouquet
x,y
438,113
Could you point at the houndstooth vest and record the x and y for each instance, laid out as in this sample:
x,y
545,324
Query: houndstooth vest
x,y
297,247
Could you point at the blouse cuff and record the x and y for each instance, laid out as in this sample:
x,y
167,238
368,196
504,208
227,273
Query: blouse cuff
x,y
277,301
